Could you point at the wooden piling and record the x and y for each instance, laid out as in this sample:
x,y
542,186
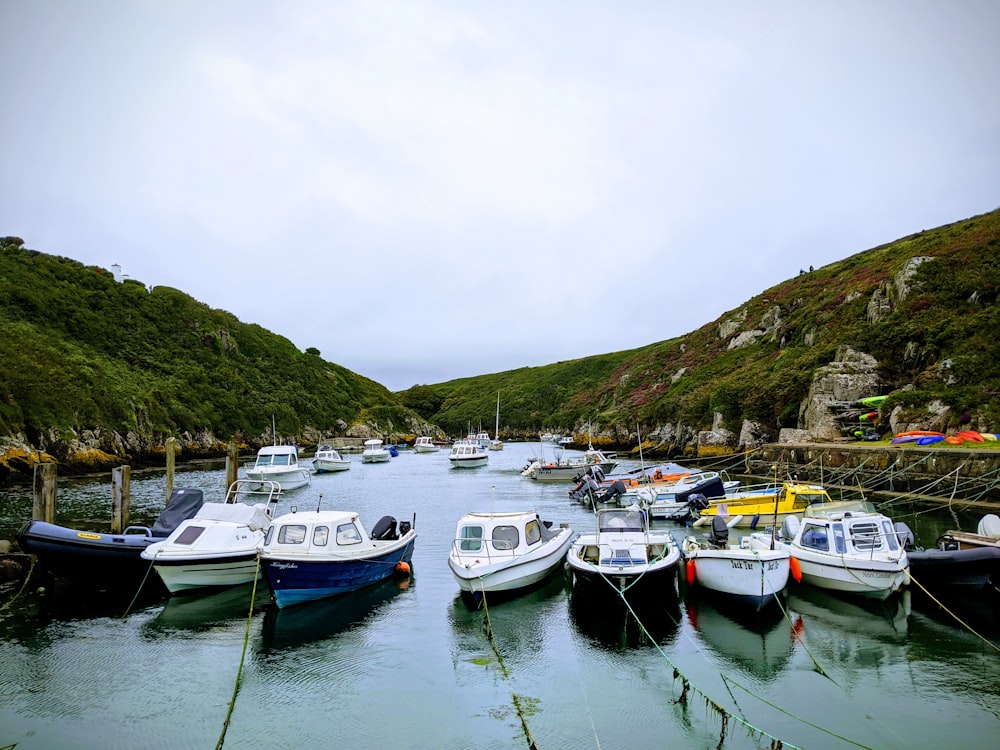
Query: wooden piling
x,y
232,464
43,506
120,498
171,452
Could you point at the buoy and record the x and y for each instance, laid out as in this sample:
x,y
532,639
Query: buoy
x,y
796,569
403,568
689,570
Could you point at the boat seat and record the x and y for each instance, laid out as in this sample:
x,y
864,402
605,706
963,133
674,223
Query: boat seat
x,y
719,535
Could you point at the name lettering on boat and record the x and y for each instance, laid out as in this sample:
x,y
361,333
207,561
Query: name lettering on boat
x,y
284,565
87,535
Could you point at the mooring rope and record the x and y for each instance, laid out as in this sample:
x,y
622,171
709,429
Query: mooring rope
x,y
138,590
243,653
488,624
24,585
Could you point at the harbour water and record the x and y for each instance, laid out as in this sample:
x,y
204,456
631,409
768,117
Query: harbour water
x,y
409,665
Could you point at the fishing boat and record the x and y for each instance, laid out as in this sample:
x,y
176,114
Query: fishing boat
x,y
505,552
845,547
329,460
375,452
770,504
425,444
219,546
747,575
100,559
317,554
671,501
467,454
279,464
624,555
564,469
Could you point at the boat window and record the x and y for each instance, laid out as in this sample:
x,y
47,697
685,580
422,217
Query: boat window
x,y
292,534
189,535
890,536
621,520
839,544
347,533
532,532
814,537
471,539
321,535
805,499
865,536
268,535
505,537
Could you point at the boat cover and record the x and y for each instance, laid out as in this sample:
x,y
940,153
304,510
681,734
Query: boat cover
x,y
184,503
253,516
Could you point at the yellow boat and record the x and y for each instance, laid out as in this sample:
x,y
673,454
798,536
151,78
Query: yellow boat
x,y
759,507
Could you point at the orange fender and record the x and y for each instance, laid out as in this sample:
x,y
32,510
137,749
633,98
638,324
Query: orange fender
x,y
689,571
796,569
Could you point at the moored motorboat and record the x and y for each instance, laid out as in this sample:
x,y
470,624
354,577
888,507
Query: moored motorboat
x,y
960,563
329,460
843,547
467,454
564,469
425,444
748,575
279,464
505,552
101,559
768,505
375,452
624,555
316,554
219,546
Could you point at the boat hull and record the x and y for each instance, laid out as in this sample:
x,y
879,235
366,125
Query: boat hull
x,y
298,579
86,554
955,571
287,480
323,466
469,463
375,458
751,577
180,575
655,575
512,573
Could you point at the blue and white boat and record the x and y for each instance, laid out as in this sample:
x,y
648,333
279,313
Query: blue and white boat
x,y
316,554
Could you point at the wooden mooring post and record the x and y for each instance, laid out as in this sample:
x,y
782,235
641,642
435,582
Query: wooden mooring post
x,y
120,498
170,449
232,464
43,505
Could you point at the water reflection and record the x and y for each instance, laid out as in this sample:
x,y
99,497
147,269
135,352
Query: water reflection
x,y
886,620
757,644
316,621
208,610
645,621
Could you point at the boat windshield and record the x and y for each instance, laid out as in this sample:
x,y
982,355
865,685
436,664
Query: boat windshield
x,y
621,520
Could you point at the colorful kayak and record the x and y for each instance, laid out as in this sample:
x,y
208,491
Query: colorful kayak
x,y
930,439
970,435
872,400
899,439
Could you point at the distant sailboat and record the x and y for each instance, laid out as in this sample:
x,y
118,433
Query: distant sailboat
x,y
496,444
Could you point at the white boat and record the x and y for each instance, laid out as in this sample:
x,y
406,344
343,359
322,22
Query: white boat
x,y
496,444
483,438
327,459
425,444
567,469
219,546
669,500
745,574
494,552
375,452
316,554
467,454
843,546
280,464
625,554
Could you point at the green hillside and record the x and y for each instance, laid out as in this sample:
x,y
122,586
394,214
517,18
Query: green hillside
x,y
940,341
84,352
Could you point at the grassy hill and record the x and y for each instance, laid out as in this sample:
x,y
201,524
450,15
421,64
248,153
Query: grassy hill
x,y
132,366
937,337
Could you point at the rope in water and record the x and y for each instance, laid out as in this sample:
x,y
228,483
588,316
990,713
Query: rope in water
x,y
959,620
243,654
488,624
27,578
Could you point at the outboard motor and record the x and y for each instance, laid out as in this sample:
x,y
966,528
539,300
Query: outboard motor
x,y
697,502
385,529
612,493
596,472
904,535
719,535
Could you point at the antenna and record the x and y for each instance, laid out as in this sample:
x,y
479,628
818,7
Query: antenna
x,y
319,502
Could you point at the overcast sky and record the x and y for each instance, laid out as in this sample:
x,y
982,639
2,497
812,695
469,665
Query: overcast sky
x,y
431,190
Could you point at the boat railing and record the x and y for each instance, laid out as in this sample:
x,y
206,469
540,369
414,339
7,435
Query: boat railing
x,y
252,491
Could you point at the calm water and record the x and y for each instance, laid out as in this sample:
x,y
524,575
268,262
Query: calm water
x,y
409,666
